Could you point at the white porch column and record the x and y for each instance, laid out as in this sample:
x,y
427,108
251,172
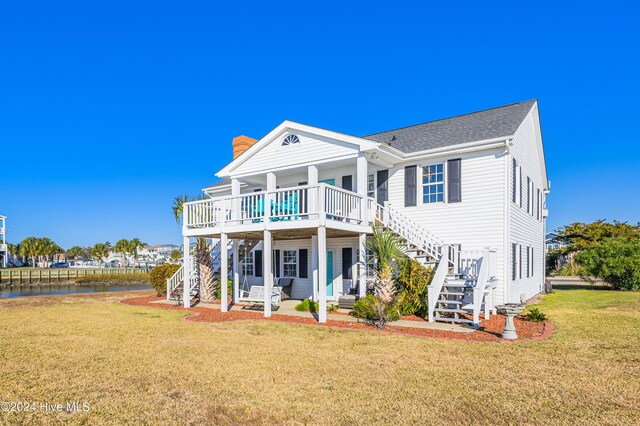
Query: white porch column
x,y
236,203
361,184
224,272
314,267
322,274
312,179
236,272
186,266
267,253
362,260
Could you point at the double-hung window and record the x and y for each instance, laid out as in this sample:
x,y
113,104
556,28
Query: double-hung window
x,y
371,185
290,263
433,183
247,265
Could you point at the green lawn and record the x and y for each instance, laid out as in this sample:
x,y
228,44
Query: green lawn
x,y
146,365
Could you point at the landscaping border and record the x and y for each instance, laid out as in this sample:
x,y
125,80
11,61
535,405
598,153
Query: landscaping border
x,y
489,331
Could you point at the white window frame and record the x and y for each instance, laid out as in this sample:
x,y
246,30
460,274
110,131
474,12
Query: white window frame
x,y
421,185
372,193
286,261
248,263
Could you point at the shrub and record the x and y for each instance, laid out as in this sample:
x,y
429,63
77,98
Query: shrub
x,y
535,315
615,261
367,308
413,280
159,276
229,289
308,306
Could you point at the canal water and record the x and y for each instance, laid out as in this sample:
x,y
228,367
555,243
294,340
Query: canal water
x,y
66,289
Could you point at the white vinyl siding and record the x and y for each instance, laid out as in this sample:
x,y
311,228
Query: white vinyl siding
x,y
526,229
478,221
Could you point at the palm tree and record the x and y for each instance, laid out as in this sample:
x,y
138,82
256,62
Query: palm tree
x,y
100,251
203,254
123,246
386,247
29,249
75,252
136,244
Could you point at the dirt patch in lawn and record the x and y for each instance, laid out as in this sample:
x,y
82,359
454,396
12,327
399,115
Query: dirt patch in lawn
x,y
489,331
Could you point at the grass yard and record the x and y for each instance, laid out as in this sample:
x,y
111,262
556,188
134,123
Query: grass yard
x,y
145,365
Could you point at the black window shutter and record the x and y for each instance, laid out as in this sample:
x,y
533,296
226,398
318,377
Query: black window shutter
x,y
383,186
258,263
347,263
539,206
410,186
528,194
303,268
454,180
347,183
515,180
520,261
514,262
276,263
520,170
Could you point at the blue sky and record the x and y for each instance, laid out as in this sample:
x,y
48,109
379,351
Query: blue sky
x,y
107,111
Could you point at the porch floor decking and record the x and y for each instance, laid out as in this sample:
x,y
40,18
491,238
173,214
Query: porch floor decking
x,y
287,308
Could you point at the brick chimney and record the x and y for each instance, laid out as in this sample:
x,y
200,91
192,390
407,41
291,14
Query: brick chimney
x,y
241,144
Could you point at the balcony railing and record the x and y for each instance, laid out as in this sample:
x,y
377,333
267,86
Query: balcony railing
x,y
285,204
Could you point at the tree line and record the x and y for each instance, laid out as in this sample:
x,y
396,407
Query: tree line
x,y
34,250
609,251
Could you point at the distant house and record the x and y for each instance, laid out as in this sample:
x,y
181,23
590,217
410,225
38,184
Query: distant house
x,y
4,250
552,243
467,195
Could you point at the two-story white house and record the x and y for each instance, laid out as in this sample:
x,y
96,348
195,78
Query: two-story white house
x,y
466,193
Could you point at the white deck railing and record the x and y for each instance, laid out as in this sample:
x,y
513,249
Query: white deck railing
x,y
284,204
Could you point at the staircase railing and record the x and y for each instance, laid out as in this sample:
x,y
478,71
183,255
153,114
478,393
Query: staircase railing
x,y
178,278
174,281
409,230
437,282
483,290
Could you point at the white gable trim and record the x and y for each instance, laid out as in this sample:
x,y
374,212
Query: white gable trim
x,y
363,144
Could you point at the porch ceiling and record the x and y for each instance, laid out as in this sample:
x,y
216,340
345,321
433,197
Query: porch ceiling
x,y
288,234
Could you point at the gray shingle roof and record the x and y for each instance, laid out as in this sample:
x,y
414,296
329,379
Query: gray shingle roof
x,y
476,126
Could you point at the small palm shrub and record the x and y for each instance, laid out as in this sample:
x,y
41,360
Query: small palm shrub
x,y
159,276
535,315
413,280
368,308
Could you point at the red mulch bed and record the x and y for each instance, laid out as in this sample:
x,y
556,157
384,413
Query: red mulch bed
x,y
489,331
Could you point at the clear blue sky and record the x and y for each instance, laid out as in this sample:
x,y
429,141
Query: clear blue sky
x,y
110,109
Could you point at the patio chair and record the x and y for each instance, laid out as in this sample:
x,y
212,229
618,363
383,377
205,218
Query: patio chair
x,y
286,286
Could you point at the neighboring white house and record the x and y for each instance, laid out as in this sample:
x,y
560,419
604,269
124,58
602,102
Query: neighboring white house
x,y
467,193
4,252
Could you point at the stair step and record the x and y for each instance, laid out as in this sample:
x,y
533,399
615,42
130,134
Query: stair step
x,y
450,302
451,293
463,320
451,310
456,285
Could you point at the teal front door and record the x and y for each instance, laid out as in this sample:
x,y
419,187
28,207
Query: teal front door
x,y
330,274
